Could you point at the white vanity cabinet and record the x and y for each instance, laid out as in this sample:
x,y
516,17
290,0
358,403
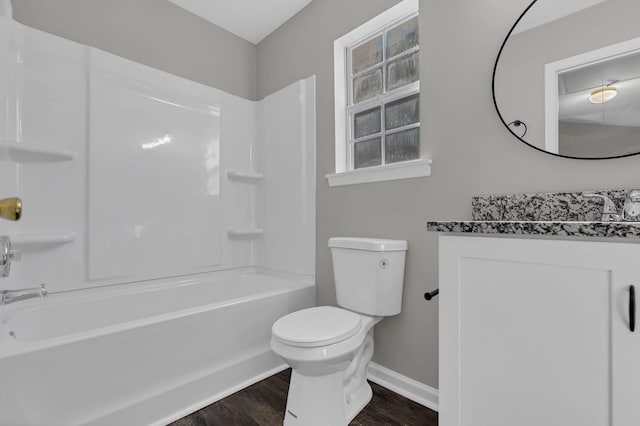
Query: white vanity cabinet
x,y
537,332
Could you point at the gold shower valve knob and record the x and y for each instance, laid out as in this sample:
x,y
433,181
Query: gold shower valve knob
x,y
11,208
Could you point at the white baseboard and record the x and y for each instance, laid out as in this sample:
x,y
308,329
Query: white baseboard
x,y
403,385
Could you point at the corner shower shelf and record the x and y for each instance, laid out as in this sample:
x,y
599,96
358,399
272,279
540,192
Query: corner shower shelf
x,y
244,232
248,177
20,153
44,240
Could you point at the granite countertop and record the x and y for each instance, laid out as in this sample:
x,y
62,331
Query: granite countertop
x,y
549,228
572,214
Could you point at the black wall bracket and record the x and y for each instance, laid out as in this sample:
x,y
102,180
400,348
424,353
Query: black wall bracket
x,y
431,294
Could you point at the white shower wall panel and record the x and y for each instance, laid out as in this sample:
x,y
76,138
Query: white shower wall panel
x,y
44,102
146,194
51,112
154,174
44,97
237,150
8,173
286,132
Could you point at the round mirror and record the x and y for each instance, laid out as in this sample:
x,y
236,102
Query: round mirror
x,y
567,78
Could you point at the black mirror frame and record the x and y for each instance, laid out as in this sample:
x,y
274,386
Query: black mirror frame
x,y
495,101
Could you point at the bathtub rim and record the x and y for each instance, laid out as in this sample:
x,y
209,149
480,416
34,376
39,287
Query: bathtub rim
x,y
11,346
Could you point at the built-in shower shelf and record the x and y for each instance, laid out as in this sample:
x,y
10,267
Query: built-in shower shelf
x,y
20,153
244,232
248,177
43,240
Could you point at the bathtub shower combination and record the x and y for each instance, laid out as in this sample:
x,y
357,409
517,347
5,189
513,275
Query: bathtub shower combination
x,y
172,223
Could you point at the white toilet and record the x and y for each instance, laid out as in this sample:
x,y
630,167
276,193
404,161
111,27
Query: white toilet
x,y
329,348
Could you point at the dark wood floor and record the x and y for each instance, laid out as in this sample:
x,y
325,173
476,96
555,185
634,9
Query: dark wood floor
x,y
263,404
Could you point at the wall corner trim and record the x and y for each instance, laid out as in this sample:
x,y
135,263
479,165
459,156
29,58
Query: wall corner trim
x,y
405,386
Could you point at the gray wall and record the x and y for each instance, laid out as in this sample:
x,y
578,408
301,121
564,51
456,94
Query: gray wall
x,y
153,32
472,152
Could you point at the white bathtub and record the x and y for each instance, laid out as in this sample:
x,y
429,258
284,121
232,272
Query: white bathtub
x,y
141,354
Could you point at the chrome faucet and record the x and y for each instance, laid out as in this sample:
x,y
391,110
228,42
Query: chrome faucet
x,y
609,210
10,296
630,212
7,256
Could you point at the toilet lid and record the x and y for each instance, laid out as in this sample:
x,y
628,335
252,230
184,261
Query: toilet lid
x,y
319,326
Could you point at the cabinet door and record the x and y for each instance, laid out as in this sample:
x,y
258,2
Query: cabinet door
x,y
535,332
626,344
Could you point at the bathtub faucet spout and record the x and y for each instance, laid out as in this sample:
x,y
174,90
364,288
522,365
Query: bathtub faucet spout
x,y
10,296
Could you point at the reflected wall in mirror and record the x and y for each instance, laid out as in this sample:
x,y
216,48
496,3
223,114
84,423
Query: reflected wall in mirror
x,y
567,78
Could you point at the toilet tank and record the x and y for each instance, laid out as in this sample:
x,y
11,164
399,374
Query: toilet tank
x,y
369,274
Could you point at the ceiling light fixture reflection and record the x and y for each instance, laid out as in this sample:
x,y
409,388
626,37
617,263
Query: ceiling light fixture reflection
x,y
602,95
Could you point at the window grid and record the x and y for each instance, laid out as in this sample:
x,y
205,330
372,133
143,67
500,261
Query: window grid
x,y
379,100
384,62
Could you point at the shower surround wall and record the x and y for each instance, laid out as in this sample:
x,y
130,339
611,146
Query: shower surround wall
x,y
287,202
140,187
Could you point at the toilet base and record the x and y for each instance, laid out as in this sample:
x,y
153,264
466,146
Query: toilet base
x,y
334,399
320,401
358,401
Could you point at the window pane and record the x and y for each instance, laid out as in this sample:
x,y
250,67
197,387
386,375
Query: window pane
x,y
402,112
367,55
403,37
367,123
367,153
403,71
402,146
367,85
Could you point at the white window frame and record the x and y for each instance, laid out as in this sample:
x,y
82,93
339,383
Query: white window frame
x,y
344,175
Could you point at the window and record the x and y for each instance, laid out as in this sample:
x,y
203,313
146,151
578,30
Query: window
x,y
384,103
377,88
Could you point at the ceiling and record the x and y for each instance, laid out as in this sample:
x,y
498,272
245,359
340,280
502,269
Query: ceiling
x,y
547,11
252,20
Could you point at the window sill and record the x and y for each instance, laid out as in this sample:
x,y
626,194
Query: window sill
x,y
410,169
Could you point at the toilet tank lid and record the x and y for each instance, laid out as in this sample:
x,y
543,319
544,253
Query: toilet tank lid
x,y
369,244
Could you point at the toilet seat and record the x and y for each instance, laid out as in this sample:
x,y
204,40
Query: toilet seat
x,y
319,326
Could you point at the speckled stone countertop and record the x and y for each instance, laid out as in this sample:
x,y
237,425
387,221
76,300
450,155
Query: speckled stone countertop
x,y
542,214
549,228
545,206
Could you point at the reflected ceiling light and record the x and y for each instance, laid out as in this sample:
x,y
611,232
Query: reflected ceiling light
x,y
602,95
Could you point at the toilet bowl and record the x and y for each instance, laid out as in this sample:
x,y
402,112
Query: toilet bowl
x,y
329,377
329,348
